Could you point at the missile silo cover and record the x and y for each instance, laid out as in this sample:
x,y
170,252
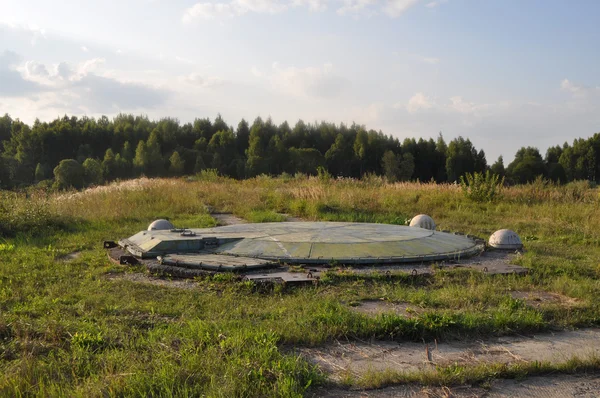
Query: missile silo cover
x,y
313,242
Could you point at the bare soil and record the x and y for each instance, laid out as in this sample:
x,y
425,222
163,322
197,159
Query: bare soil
x,y
153,280
228,219
289,218
69,257
538,298
376,307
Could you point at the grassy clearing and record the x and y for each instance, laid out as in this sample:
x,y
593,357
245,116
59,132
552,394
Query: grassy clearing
x,y
68,329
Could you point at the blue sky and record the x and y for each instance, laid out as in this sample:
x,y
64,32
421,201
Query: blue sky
x,y
503,73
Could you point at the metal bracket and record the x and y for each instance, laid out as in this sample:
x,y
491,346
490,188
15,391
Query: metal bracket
x,y
128,260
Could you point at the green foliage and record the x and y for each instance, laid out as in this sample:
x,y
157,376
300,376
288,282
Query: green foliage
x,y
109,165
176,164
41,172
481,187
129,146
69,174
391,166
498,167
6,247
323,174
463,158
306,160
92,172
208,175
28,217
87,341
527,166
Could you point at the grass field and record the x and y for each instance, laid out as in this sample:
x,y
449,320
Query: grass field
x,y
71,325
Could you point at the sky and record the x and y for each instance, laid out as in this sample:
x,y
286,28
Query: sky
x,y
503,73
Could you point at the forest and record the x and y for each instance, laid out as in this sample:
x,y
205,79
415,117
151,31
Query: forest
x,y
71,152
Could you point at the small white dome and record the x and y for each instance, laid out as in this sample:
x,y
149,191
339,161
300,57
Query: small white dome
x,y
160,225
505,239
423,221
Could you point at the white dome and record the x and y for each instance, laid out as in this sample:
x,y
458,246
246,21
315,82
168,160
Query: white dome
x,y
160,225
505,239
423,221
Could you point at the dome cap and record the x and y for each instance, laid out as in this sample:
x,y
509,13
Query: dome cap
x,y
158,225
423,221
505,239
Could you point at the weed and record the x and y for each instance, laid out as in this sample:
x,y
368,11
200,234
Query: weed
x,y
481,187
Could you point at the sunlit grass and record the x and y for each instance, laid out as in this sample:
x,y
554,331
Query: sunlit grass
x,y
78,328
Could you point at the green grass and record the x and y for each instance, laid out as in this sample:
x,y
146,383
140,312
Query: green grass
x,y
83,328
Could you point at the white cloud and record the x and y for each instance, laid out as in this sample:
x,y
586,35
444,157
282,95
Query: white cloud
x,y
417,102
354,7
318,82
435,3
35,70
184,60
222,10
454,105
12,83
202,81
85,49
256,72
73,89
313,5
90,65
430,60
208,10
394,8
368,115
577,90
458,104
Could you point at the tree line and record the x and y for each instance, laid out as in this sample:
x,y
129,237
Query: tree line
x,y
76,152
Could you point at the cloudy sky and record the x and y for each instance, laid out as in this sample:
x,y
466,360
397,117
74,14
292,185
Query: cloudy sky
x,y
505,73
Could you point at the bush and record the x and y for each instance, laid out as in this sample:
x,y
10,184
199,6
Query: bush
x,y
481,187
20,215
69,174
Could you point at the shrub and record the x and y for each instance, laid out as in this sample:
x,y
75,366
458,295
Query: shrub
x,y
30,215
69,174
481,187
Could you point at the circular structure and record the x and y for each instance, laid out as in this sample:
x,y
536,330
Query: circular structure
x,y
348,243
159,225
423,221
505,239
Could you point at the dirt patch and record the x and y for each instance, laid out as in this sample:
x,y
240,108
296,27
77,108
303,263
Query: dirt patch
x,y
359,358
69,257
289,218
152,280
538,298
228,219
376,307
